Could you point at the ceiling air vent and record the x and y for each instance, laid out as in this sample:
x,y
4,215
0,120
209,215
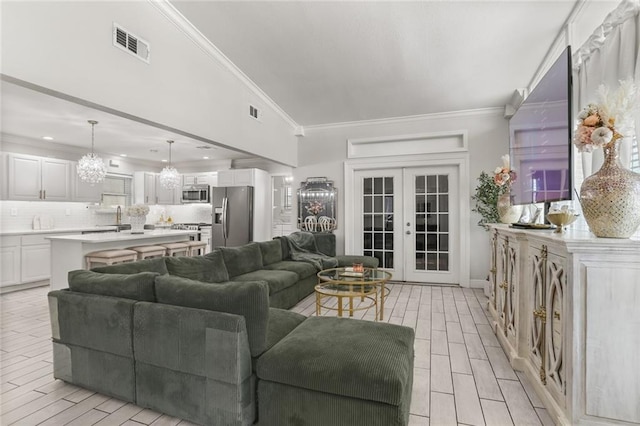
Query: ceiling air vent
x,y
255,113
130,43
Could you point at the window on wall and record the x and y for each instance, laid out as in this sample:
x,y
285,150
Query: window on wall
x,y
116,191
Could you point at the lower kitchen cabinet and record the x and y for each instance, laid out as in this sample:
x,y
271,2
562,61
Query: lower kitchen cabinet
x,y
35,258
10,261
565,309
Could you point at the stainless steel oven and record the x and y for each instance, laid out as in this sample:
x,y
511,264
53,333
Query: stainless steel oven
x,y
196,194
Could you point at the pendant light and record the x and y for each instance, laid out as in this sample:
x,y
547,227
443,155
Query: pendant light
x,y
91,168
169,176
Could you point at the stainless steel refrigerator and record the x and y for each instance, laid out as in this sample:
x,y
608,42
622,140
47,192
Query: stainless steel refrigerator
x,y
232,221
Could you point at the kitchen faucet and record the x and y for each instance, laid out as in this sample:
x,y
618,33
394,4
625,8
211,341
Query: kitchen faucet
x,y
118,216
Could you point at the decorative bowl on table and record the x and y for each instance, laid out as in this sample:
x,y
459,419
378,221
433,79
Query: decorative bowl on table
x,y
561,219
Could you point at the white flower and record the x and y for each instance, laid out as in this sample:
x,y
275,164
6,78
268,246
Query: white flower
x,y
505,161
138,210
497,170
601,136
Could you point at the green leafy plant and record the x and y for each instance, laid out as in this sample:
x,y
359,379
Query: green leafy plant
x,y
486,198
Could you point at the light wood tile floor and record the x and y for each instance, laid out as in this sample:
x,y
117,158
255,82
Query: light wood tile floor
x,y
461,375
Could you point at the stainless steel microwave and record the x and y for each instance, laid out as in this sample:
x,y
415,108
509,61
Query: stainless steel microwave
x,y
196,194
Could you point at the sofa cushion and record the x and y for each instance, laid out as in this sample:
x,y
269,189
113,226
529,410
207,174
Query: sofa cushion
x,y
209,269
249,299
303,269
281,323
348,260
277,280
284,245
243,259
138,286
146,265
220,268
271,252
372,361
326,243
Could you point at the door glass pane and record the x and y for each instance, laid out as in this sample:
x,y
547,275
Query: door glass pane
x,y
378,218
432,228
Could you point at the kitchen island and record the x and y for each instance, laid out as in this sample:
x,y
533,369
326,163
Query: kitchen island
x,y
68,251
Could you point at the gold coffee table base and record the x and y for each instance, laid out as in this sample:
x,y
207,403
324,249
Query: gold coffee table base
x,y
345,283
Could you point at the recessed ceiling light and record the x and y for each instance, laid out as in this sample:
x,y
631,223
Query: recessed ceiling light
x,y
123,155
205,158
164,161
47,138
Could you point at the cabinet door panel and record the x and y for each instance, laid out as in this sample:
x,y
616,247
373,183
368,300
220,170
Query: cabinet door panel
x,y
163,195
36,263
10,261
56,179
554,335
24,177
83,191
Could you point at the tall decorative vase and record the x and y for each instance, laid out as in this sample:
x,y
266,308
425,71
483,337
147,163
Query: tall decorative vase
x,y
506,210
610,198
137,224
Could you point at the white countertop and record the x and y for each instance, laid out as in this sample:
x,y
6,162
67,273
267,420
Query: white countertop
x,y
56,230
122,236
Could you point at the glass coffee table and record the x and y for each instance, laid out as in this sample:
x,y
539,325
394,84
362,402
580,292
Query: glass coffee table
x,y
345,283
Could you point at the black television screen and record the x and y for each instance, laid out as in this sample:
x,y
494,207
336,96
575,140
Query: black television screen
x,y
540,139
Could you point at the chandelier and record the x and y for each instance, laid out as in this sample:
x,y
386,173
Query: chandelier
x,y
91,168
169,176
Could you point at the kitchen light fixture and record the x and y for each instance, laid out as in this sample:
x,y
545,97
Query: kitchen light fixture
x,y
47,138
169,176
91,168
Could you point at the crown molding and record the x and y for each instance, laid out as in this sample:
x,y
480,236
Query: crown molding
x,y
408,118
184,25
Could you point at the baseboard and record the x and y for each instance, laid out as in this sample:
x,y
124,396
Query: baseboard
x,y
477,283
18,287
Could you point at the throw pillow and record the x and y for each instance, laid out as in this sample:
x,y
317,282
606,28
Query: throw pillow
x,y
138,286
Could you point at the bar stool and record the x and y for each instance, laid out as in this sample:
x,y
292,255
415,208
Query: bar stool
x,y
196,248
176,249
110,257
145,252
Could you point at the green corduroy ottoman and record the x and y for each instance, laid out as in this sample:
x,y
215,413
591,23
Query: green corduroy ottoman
x,y
337,371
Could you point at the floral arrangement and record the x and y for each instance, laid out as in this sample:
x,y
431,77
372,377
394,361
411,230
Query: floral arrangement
x,y
605,122
490,188
315,207
137,210
504,175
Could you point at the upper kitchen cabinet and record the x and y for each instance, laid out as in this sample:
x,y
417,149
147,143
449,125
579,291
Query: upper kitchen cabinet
x,y
199,179
83,191
38,178
147,190
237,177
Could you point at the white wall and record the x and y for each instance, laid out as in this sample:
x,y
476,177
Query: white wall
x,y
67,47
323,151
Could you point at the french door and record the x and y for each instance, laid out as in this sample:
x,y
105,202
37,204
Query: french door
x,y
405,218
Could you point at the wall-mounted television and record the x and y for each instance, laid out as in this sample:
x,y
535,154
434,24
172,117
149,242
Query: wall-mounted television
x,y
540,139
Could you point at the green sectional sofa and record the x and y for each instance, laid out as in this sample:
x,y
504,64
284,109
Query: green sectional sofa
x,y
205,339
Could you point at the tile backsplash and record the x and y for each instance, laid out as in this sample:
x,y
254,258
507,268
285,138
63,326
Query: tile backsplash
x,y
18,215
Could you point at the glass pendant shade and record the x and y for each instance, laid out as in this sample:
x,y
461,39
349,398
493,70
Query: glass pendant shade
x,y
169,176
91,168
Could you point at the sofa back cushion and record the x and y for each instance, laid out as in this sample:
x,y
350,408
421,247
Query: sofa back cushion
x,y
138,286
326,243
243,259
271,252
209,268
284,246
248,299
147,265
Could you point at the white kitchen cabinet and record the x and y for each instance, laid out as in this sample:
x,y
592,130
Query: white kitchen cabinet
x,y
38,178
83,191
147,190
10,260
199,178
575,306
35,258
5,177
237,177
167,196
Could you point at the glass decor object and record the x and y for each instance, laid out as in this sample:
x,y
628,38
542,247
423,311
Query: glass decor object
x,y
91,168
169,176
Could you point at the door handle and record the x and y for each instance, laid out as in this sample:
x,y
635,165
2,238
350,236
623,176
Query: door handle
x,y
44,196
224,218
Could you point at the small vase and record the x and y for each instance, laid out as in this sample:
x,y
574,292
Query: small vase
x,y
508,212
137,224
610,198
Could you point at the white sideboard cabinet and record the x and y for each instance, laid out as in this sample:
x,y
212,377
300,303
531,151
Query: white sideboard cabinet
x,y
566,310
